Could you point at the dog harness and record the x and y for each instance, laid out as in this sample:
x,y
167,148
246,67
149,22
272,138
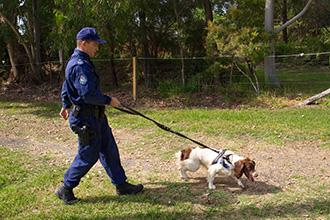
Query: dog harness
x,y
223,160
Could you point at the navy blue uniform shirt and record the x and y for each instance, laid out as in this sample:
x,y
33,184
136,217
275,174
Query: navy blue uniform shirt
x,y
82,85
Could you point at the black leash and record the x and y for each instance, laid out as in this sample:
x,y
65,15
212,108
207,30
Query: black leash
x,y
165,128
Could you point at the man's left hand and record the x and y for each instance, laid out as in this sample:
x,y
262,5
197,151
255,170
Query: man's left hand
x,y
115,102
64,113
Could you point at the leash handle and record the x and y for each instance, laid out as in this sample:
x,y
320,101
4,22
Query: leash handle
x,y
163,127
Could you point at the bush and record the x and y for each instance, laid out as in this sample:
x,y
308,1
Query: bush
x,y
169,88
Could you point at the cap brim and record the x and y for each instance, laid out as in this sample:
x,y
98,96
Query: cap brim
x,y
101,41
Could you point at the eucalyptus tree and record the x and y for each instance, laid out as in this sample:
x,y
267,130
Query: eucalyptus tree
x,y
15,16
312,31
269,61
8,36
24,20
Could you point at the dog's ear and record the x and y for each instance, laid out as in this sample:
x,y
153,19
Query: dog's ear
x,y
238,169
249,168
185,153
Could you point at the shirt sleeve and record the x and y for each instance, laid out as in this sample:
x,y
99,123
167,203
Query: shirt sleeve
x,y
87,86
66,102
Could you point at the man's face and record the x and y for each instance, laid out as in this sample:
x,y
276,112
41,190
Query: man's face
x,y
90,47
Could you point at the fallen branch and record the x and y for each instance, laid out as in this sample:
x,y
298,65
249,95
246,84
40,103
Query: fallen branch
x,y
315,97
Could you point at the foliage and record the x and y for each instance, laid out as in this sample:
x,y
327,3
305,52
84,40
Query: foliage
x,y
245,45
172,28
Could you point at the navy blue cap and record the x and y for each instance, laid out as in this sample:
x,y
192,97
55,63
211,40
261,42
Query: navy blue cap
x,y
89,33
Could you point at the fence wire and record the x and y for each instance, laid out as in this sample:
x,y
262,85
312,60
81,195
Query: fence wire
x,y
299,72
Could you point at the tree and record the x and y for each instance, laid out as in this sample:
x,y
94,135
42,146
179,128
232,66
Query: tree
x,y
208,10
284,19
243,45
24,20
7,36
269,62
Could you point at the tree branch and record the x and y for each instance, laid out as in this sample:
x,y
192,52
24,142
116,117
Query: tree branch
x,y
249,78
20,40
294,18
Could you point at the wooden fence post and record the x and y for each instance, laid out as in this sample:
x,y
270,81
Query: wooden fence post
x,y
134,77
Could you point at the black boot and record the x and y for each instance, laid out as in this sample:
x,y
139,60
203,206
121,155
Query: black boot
x,y
66,194
127,188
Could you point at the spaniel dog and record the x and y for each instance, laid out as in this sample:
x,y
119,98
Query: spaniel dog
x,y
227,162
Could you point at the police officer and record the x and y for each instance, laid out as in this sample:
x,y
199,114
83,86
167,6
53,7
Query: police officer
x,y
81,93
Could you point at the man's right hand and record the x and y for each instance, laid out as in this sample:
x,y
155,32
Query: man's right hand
x,y
64,113
115,102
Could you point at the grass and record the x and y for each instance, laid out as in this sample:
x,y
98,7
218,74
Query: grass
x,y
308,80
27,185
28,179
273,126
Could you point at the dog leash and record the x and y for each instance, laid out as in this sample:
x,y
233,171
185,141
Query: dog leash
x,y
131,111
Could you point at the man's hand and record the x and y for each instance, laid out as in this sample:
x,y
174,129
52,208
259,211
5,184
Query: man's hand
x,y
115,102
64,113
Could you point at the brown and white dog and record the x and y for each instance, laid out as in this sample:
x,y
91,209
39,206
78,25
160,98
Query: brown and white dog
x,y
191,159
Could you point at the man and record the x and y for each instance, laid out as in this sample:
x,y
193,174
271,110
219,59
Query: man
x,y
81,92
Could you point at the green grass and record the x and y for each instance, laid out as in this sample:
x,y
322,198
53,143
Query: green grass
x,y
307,80
276,126
273,126
27,180
27,186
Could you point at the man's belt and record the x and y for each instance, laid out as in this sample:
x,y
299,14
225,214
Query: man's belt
x,y
90,111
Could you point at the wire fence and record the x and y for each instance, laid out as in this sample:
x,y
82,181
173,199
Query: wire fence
x,y
302,73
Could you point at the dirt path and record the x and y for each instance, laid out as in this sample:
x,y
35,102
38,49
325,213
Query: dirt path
x,y
277,166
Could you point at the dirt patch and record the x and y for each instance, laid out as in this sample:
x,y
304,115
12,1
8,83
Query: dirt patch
x,y
278,167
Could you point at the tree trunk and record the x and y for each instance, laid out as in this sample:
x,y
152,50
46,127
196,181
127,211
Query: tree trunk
x,y
208,11
61,69
269,62
315,97
284,15
14,75
145,50
180,44
26,47
36,39
270,74
183,77
110,35
61,59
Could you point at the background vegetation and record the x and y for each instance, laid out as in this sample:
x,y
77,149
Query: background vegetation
x,y
183,46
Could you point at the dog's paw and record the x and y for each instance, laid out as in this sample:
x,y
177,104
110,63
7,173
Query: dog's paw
x,y
211,186
242,186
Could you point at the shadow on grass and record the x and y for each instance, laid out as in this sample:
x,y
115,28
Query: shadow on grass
x,y
196,192
303,209
204,203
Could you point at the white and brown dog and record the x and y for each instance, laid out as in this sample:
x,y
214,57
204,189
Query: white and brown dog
x,y
229,164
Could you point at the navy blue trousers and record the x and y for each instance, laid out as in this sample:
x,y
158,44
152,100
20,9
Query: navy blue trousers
x,y
102,147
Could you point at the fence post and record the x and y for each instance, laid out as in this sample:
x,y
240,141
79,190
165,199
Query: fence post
x,y
134,77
